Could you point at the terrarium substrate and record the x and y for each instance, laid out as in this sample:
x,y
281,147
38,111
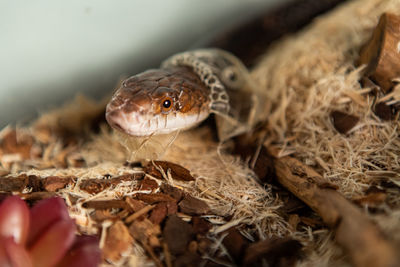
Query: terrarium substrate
x,y
200,203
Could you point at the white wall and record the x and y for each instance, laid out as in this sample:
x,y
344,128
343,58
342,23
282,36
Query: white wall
x,y
50,50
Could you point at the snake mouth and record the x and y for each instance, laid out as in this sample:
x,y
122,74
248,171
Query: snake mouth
x,y
113,119
136,124
113,122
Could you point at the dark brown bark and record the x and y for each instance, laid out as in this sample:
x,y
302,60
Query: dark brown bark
x,y
381,53
354,231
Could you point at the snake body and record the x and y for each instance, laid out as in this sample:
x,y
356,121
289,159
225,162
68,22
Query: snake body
x,y
184,91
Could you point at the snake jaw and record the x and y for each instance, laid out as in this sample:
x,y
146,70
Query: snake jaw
x,y
146,125
145,118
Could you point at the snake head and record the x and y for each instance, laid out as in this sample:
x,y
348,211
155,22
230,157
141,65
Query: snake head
x,y
158,101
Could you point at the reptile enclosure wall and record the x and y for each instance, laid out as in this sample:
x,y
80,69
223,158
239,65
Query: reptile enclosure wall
x,y
330,140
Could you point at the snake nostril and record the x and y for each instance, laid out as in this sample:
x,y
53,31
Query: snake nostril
x,y
117,126
112,119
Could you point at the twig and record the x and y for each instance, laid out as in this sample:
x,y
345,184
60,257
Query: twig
x,y
139,213
167,255
354,231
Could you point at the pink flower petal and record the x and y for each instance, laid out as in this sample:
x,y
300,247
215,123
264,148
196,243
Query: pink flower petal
x,y
53,244
13,254
84,253
45,213
14,219
5,261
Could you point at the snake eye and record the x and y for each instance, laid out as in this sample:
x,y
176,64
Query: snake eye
x,y
166,104
231,77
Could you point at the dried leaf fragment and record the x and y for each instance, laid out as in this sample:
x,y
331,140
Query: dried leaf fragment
x,y
118,240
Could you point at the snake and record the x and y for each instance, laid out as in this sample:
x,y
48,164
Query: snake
x,y
186,89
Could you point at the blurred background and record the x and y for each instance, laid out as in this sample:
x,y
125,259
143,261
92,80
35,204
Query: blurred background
x,y
51,50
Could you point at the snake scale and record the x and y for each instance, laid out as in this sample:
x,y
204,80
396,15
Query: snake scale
x,y
183,92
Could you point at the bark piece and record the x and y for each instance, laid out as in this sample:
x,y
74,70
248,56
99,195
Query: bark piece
x,y
172,207
3,172
261,162
177,234
106,204
147,234
76,162
134,164
36,196
148,184
117,241
193,206
384,111
192,247
277,252
312,222
95,186
293,221
102,215
172,191
342,121
203,245
292,204
19,183
54,183
13,144
14,184
236,244
35,183
153,198
354,231
381,53
372,199
159,213
162,210
200,226
177,172
135,204
144,231
188,259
